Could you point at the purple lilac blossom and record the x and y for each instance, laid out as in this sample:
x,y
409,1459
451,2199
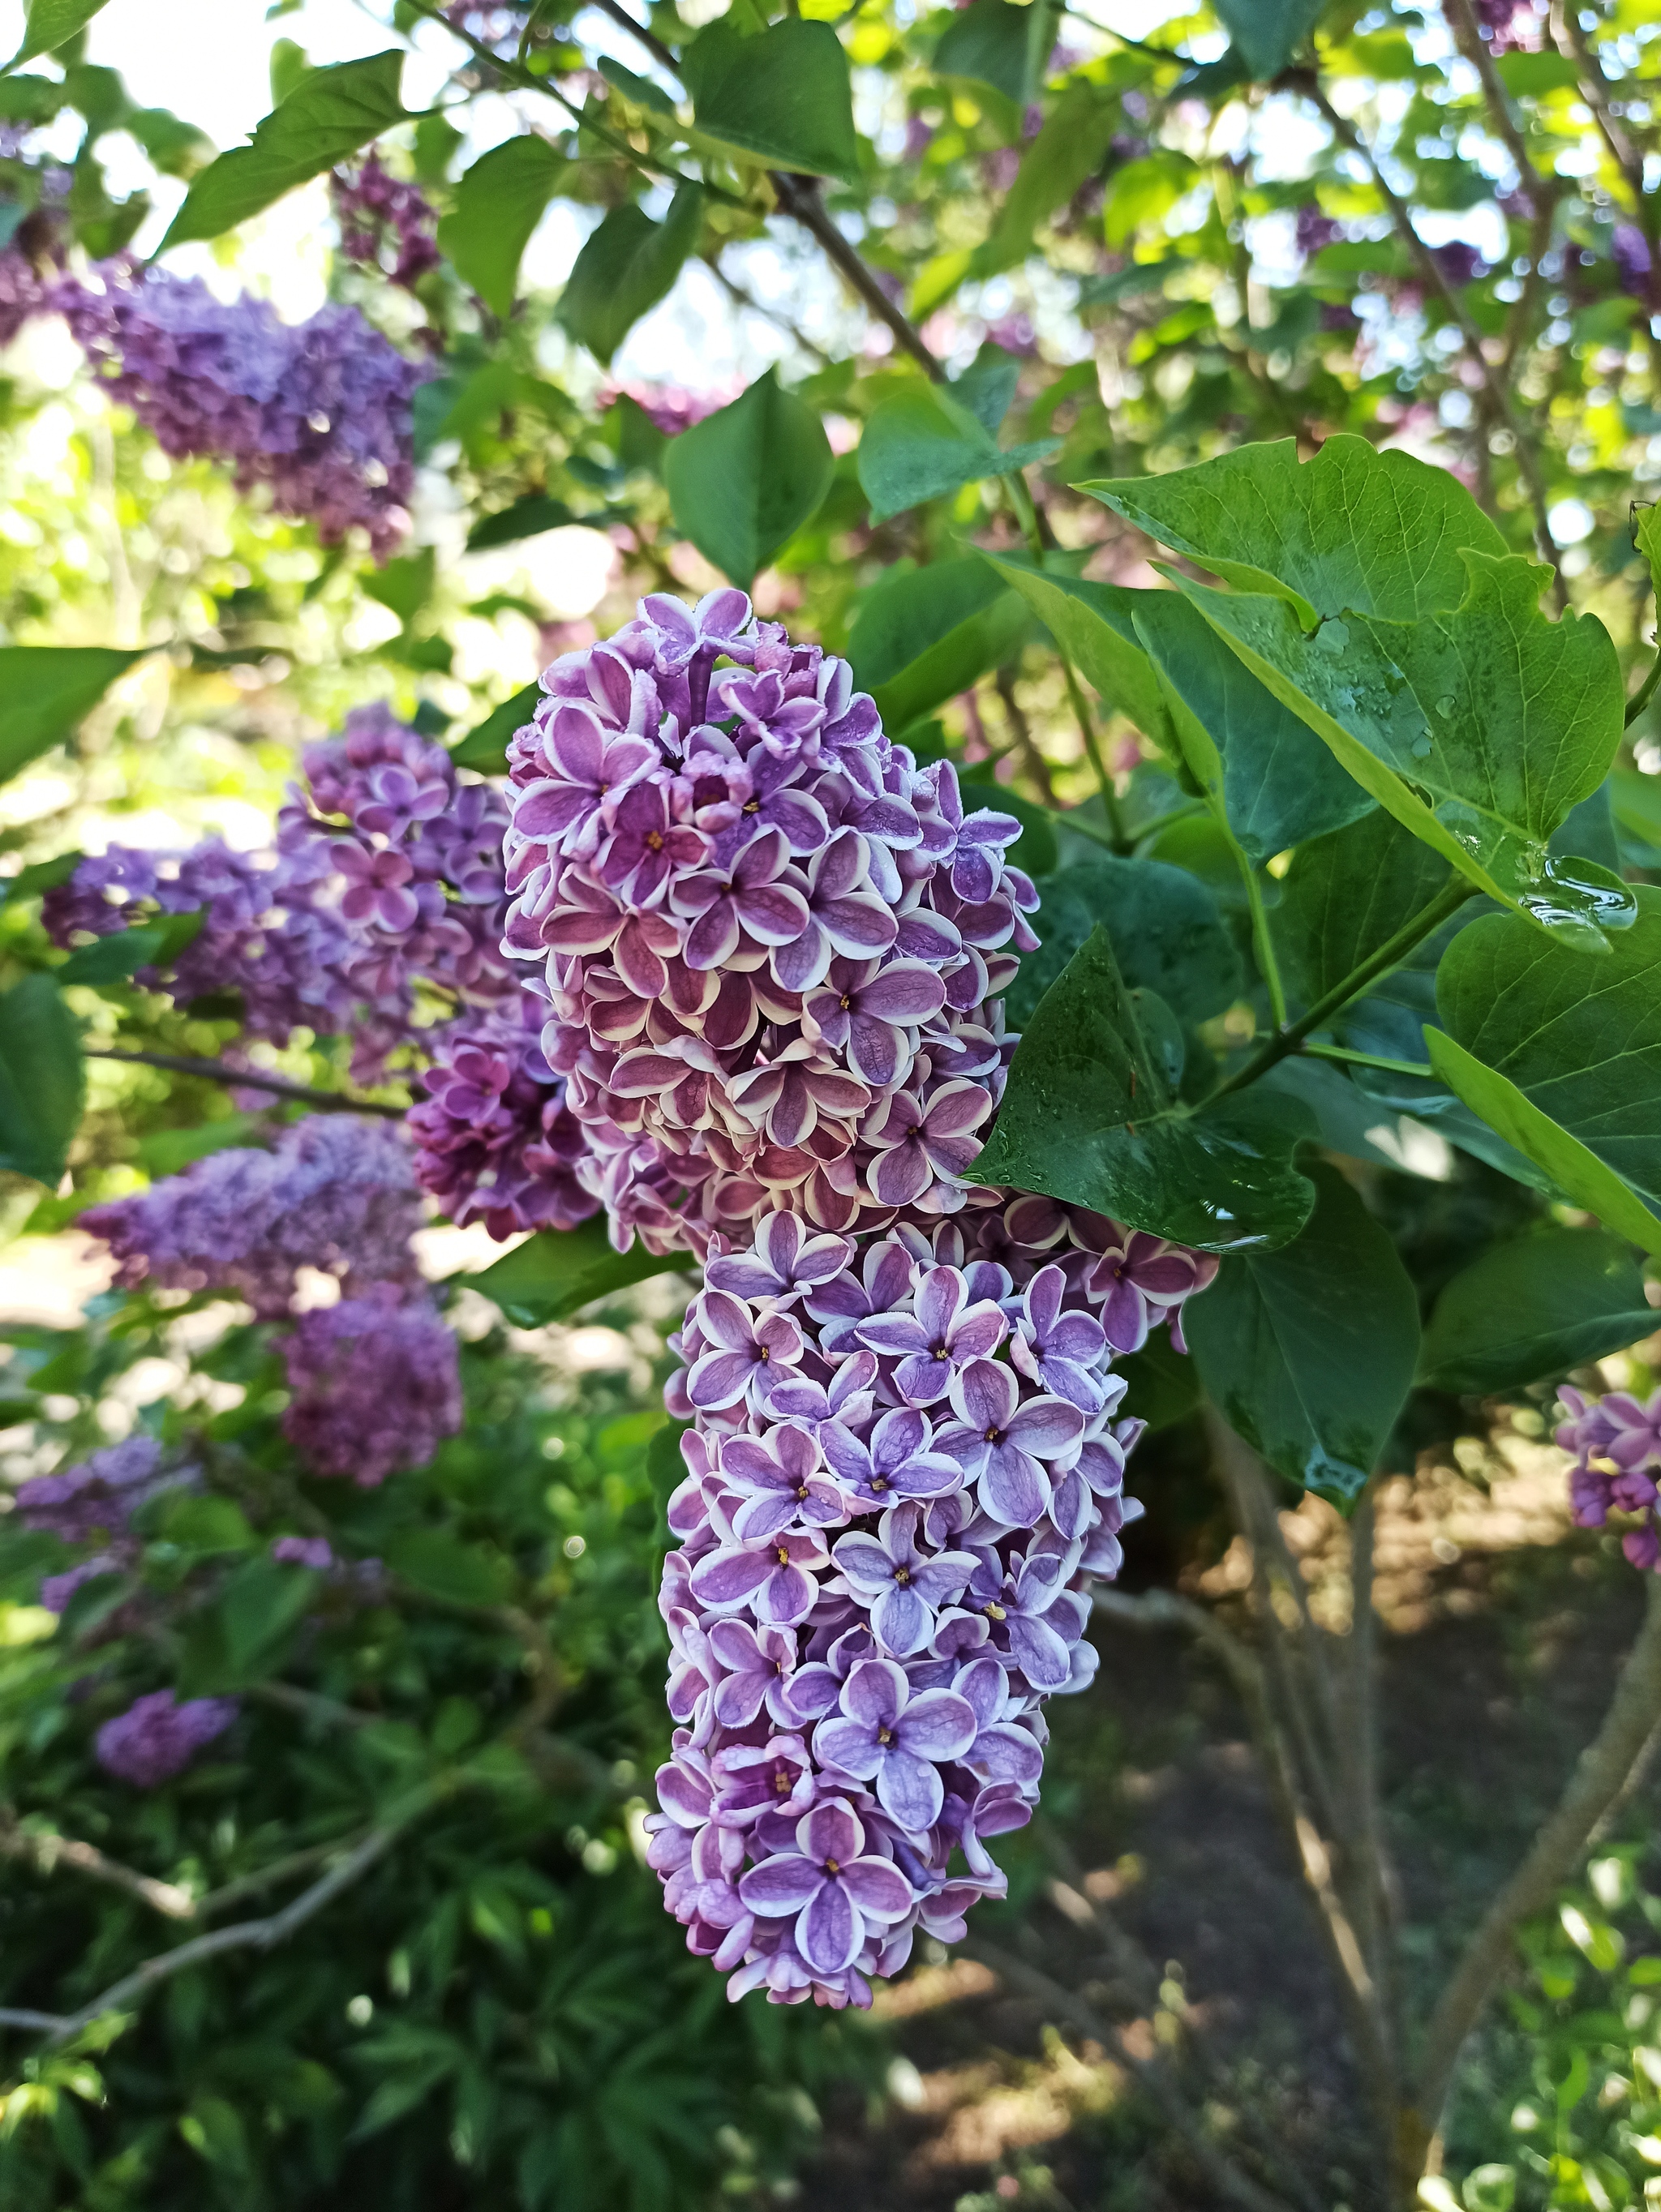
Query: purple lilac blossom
x,y
383,220
319,411
1616,1444
333,1193
904,1470
157,1737
376,1386
1634,265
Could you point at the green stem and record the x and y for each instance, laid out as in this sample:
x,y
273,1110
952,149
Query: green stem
x,y
1389,955
1421,1068
1263,943
1645,691
1185,812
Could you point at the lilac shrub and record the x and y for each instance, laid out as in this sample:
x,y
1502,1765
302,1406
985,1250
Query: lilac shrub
x,y
773,947
318,411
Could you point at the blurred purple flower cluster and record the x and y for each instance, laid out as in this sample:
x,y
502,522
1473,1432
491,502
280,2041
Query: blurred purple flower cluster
x,y
906,1468
772,944
1616,1444
157,1737
384,221
1634,265
320,412
92,1503
668,407
1316,231
375,1385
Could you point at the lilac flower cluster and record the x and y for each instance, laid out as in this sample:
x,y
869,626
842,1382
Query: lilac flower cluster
x,y
1616,1444
319,411
376,1386
381,218
333,1193
1634,265
905,1468
157,1737
772,943
92,1503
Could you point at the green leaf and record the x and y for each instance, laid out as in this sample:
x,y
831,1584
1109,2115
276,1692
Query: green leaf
x,y
404,586
117,958
640,89
433,1561
1280,784
42,1080
925,635
1530,77
923,443
53,23
1534,1307
1162,1386
625,268
329,114
557,1272
485,747
1163,923
993,43
1088,1117
1410,708
1266,33
784,98
1572,1167
499,203
1380,533
1345,895
1578,1034
1094,624
41,875
165,1152
1310,1351
526,518
46,691
261,1607
1068,149
744,480
197,1520
987,388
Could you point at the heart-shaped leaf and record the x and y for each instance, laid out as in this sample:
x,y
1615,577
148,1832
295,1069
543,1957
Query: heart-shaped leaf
x,y
927,634
784,98
46,691
746,478
625,268
922,444
1534,1307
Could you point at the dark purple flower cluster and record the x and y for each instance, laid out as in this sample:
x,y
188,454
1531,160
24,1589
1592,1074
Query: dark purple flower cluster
x,y
1316,231
1459,262
1634,265
376,1386
333,1193
905,1468
387,225
1616,1444
319,411
157,1737
92,1503
1507,24
773,945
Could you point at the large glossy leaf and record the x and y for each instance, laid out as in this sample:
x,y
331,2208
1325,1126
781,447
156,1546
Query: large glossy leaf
x,y
1280,784
746,478
1579,1035
1346,894
46,691
52,23
1162,1385
1089,1116
1381,533
329,114
1533,1308
1411,709
499,203
1310,1351
922,444
783,98
625,268
1266,33
42,1080
1094,624
993,43
1163,923
926,634
556,1272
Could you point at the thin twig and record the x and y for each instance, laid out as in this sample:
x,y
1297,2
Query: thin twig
x,y
736,292
46,1851
1022,742
249,1078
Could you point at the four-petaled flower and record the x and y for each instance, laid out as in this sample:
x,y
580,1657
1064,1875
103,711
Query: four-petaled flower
x,y
837,1891
784,1261
758,1664
750,899
868,1012
747,1349
376,886
886,1733
1059,1351
782,1482
934,1341
1000,1443
772,1578
895,1465
906,1585
844,916
1015,1601
585,763
915,1144
1135,1279
645,846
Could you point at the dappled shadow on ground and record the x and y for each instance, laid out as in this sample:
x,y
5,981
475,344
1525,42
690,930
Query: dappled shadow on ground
x,y
1503,1631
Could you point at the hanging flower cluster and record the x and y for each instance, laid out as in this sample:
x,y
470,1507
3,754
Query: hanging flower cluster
x,y
773,944
93,1502
375,1385
905,1469
382,217
1616,1444
157,1737
319,411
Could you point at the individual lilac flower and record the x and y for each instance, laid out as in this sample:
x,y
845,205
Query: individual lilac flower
x,y
1002,1750
791,1095
916,1143
1135,1279
1059,1351
784,1261
377,885
760,795
845,918
1016,1603
757,1781
905,1585
772,1578
717,624
886,1733
896,1464
781,1483
757,1666
837,1891
870,1013
645,848
1002,1445
946,1328
847,1400
376,1384
886,1273
746,1351
750,900
157,1737
583,764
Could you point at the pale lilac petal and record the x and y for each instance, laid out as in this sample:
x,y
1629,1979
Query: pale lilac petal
x,y
937,1725
782,1885
830,1932
909,1790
